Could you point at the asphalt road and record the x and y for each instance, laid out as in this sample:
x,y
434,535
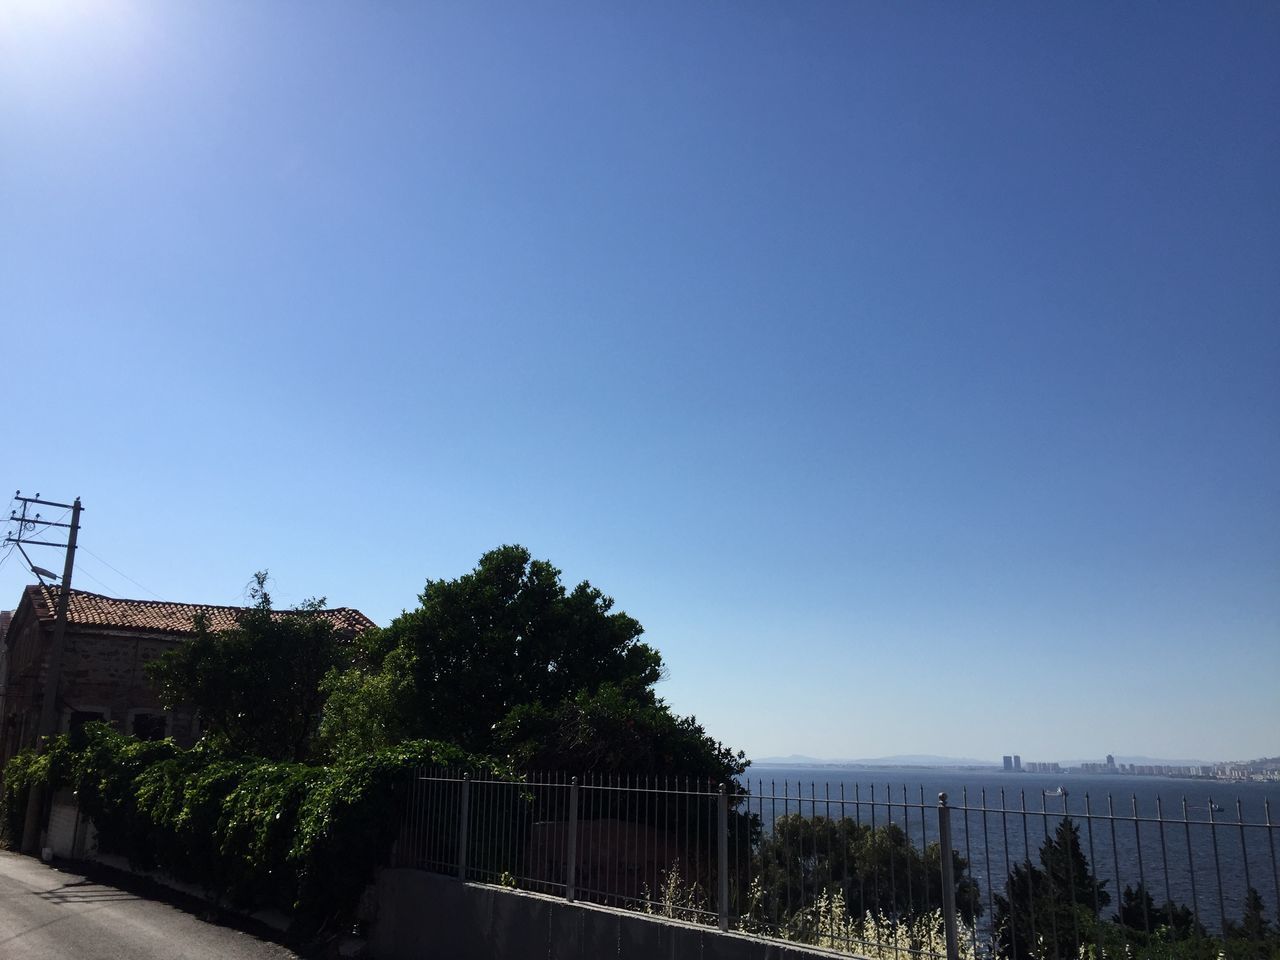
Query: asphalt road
x,y
51,914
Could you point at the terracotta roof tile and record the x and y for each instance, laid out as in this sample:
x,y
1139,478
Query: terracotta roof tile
x,y
94,610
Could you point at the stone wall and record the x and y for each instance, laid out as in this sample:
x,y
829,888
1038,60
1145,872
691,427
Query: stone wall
x,y
107,671
102,671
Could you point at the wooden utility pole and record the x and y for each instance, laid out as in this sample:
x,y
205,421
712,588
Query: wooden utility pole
x,y
32,828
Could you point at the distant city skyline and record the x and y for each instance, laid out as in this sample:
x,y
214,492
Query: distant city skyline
x,y
909,372
936,760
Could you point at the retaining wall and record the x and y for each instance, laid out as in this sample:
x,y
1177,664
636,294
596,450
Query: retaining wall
x,y
423,916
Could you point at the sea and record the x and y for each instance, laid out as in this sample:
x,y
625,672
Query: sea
x,y
1199,842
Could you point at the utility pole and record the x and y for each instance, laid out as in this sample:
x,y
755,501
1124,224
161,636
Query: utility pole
x,y
53,671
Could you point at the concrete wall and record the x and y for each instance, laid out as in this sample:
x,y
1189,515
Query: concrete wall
x,y
64,822
422,916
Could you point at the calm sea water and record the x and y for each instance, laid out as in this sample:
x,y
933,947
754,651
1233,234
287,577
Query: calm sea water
x,y
1207,860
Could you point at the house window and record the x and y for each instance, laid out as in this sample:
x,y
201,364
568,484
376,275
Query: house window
x,y
80,717
149,726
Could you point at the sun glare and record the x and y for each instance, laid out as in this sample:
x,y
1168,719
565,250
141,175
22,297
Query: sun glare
x,y
20,18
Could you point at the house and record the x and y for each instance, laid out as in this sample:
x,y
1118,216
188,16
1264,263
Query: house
x,y
108,644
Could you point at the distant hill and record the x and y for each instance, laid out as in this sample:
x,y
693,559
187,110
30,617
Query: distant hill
x,y
898,760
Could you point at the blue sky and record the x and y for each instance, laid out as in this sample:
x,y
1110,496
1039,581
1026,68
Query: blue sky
x,y
912,372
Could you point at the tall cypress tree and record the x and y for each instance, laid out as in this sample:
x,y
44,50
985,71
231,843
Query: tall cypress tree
x,y
1049,911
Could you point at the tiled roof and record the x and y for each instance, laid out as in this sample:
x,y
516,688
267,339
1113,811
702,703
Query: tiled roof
x,y
94,610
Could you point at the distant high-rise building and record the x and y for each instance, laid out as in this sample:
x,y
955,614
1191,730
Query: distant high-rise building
x,y
1111,763
1008,764
1017,763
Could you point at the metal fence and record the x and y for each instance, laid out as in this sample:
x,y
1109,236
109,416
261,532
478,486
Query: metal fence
x,y
1041,875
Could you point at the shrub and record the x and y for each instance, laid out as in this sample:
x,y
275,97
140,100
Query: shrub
x,y
259,833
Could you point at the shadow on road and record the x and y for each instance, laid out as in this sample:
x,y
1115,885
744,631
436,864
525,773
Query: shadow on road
x,y
100,883
85,891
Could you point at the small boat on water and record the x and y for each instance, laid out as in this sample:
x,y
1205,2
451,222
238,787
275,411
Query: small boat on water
x,y
1216,807
1055,792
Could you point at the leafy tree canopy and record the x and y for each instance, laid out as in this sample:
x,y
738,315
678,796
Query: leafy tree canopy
x,y
257,687
606,730
504,660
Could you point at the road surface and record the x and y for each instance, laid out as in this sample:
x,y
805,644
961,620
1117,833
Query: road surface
x,y
50,914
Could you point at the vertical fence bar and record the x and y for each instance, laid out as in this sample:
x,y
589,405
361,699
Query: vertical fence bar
x,y
486,801
571,868
862,873
1217,869
612,820
893,875
1244,849
831,853
906,829
790,856
1093,864
723,861
1026,843
1191,863
1142,874
1164,856
1053,900
875,866
1271,842
968,856
440,813
986,860
845,888
1009,891
948,879
464,810
632,800
1115,855
1071,883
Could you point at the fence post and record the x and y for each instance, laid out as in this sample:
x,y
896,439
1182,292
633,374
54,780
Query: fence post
x,y
571,871
948,879
723,851
464,813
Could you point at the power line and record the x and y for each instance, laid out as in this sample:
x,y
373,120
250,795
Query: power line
x,y
121,573
24,523
9,519
12,518
86,573
16,540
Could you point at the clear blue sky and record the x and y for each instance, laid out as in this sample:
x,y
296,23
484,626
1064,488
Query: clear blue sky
x,y
911,371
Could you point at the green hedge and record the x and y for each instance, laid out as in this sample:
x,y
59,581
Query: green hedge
x,y
300,837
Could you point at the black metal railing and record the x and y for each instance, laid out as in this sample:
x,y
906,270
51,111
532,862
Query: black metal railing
x,y
878,872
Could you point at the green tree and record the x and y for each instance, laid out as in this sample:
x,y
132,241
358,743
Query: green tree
x,y
365,709
1139,913
876,870
607,730
1254,925
1253,937
258,687
508,634
1051,910
506,661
